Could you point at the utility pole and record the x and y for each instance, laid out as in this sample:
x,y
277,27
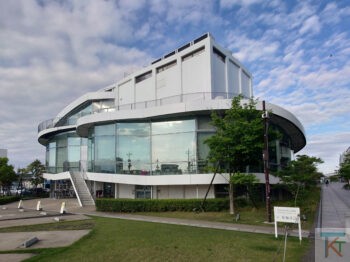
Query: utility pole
x,y
188,160
129,162
265,117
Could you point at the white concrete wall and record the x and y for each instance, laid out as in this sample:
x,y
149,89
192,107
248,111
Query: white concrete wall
x,y
234,82
145,90
194,72
168,82
125,93
245,84
187,192
219,76
126,191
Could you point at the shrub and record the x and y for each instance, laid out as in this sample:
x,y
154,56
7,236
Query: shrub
x,y
159,205
8,199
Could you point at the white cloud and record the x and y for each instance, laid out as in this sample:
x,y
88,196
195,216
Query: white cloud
x,y
328,147
311,25
231,3
252,49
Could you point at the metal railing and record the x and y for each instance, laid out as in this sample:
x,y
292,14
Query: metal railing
x,y
200,96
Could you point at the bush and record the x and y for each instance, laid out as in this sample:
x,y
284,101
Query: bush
x,y
8,199
159,205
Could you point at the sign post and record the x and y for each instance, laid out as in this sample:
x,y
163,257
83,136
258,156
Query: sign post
x,y
287,215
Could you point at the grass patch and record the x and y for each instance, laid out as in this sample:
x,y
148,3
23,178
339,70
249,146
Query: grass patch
x,y
63,225
308,204
248,215
123,240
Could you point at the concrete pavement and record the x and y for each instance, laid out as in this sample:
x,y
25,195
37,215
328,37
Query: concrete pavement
x,y
335,205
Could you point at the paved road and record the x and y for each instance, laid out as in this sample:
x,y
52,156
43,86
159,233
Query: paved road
x,y
335,205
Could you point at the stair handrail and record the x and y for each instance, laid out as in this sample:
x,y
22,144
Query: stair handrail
x,y
74,187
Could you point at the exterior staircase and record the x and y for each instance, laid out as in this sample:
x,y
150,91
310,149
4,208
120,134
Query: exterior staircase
x,y
81,190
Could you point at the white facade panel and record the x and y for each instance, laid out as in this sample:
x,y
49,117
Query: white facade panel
x,y
219,77
168,82
245,83
125,93
170,192
176,192
144,90
190,192
195,72
233,78
126,191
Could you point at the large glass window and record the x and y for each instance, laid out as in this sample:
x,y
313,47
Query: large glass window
x,y
64,153
202,150
133,148
74,153
143,192
52,154
62,159
104,145
174,147
51,157
85,110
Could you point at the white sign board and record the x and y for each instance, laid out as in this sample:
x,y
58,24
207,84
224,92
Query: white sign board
x,y
287,215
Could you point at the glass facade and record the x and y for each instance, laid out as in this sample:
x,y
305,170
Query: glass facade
x,y
63,153
106,105
133,154
167,147
147,148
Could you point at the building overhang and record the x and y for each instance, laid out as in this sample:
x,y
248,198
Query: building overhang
x,y
158,180
286,120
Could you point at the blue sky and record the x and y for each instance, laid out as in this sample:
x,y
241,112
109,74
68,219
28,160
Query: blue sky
x,y
52,52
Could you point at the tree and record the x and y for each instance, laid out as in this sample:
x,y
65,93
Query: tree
x,y
344,170
7,175
300,174
21,173
238,141
247,180
36,169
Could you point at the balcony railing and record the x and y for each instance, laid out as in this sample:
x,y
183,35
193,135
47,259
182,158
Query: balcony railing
x,y
204,96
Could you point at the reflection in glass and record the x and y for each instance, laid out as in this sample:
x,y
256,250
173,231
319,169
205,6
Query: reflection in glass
x,y
170,127
203,150
174,147
105,154
133,148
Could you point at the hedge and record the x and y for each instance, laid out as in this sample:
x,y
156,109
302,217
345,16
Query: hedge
x,y
159,205
8,199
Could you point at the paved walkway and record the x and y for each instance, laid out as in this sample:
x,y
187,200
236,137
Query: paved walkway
x,y
335,206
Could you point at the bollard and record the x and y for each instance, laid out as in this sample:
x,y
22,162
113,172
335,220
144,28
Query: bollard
x,y
63,208
38,206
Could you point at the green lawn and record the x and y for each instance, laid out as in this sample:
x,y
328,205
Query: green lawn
x,y
123,240
248,215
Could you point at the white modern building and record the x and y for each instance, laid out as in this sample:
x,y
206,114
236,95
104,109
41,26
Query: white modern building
x,y
343,156
3,152
143,137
